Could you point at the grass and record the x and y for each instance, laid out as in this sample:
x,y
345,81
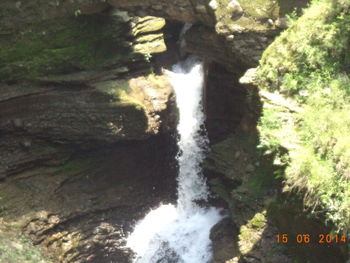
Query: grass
x,y
251,232
309,63
15,249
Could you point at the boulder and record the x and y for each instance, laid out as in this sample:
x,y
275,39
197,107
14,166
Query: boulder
x,y
224,236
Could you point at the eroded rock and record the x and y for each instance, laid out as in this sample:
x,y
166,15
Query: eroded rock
x,y
101,43
52,118
83,210
224,236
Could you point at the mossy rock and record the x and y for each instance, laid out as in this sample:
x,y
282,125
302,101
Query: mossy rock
x,y
63,46
251,15
251,232
82,43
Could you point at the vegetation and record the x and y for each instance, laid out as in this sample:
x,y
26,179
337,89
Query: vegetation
x,y
309,63
14,248
251,233
19,252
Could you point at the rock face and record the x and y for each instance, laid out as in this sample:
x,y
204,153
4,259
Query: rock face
x,y
64,114
80,108
108,41
82,211
241,30
244,49
223,236
69,81
39,123
182,10
72,90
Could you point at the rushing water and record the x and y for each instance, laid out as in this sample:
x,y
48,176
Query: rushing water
x,y
180,234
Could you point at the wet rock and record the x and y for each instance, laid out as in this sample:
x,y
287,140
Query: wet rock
x,y
224,236
18,13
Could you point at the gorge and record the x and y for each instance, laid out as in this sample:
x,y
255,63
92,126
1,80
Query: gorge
x,y
101,133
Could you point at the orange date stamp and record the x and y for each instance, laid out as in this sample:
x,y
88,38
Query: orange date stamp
x,y
308,238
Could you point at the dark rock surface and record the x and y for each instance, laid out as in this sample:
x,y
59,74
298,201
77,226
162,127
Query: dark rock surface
x,y
45,123
82,211
72,115
224,237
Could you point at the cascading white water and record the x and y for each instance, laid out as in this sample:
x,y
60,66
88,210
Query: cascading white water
x,y
180,234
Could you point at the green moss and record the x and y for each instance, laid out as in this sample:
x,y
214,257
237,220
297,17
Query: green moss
x,y
77,166
262,180
265,178
62,46
119,93
251,232
258,221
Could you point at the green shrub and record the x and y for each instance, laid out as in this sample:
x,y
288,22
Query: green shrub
x,y
310,62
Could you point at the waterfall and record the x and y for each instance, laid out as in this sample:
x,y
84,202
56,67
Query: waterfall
x,y
180,234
